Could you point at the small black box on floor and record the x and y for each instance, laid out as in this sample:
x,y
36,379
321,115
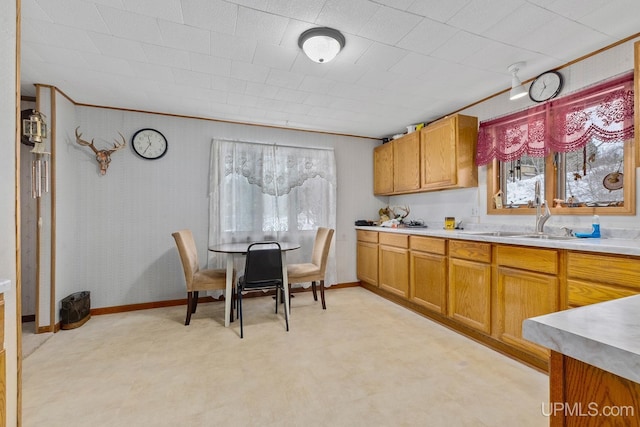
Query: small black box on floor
x,y
76,310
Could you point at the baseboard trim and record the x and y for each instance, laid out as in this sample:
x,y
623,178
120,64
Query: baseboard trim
x,y
206,299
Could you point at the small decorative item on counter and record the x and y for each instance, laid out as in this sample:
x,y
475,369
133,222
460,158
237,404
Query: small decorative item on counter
x,y
388,213
595,231
449,223
497,199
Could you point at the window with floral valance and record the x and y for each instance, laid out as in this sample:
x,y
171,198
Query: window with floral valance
x,y
603,111
578,146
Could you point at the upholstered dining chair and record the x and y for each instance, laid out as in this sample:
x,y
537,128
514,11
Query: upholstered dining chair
x,y
262,270
195,278
314,271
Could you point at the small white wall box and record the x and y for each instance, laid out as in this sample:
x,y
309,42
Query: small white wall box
x,y
75,310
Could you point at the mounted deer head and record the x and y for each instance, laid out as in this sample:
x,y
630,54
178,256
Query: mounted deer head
x,y
102,156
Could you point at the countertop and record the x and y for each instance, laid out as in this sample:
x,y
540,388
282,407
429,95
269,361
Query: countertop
x,y
604,335
5,285
603,245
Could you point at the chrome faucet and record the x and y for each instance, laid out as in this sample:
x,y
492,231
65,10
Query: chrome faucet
x,y
541,218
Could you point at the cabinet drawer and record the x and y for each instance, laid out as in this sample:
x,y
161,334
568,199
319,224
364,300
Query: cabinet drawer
x,y
583,293
391,239
604,269
367,236
427,244
541,260
474,251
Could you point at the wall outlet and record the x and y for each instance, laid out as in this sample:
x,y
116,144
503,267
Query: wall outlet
x,y
474,211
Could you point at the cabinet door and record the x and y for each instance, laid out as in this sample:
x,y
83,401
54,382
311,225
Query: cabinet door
x,y
383,169
393,270
406,163
470,293
438,152
428,279
367,262
520,295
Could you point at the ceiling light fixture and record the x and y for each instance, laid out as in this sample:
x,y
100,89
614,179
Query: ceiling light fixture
x,y
517,89
321,44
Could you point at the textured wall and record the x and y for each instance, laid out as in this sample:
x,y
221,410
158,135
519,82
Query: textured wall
x,y
113,232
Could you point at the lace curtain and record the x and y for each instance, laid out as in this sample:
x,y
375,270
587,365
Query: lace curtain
x,y
603,112
271,192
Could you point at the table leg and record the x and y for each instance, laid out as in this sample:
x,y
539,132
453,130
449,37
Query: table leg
x,y
228,291
285,282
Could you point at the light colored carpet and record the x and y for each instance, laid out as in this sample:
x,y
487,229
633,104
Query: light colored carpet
x,y
30,340
363,362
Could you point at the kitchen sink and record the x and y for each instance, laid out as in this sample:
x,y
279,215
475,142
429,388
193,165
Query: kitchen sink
x,y
545,237
499,233
519,234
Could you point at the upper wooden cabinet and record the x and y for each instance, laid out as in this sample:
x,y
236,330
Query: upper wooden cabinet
x,y
406,163
396,166
447,151
439,156
383,169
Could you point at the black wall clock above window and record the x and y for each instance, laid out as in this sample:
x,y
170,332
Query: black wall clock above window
x,y
149,144
546,86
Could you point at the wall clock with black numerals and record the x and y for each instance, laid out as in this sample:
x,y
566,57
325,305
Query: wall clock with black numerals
x,y
546,86
149,144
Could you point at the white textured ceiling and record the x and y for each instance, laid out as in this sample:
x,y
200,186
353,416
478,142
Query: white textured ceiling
x,y
405,61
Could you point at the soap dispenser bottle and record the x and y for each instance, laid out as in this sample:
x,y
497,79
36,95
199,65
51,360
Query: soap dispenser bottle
x,y
595,232
596,226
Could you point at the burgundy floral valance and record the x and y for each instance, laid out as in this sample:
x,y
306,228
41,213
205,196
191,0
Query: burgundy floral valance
x,y
603,111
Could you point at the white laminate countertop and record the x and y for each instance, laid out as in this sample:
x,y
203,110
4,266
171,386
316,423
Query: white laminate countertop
x,y
5,285
604,335
603,245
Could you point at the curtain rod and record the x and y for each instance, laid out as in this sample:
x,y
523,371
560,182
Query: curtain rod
x,y
275,144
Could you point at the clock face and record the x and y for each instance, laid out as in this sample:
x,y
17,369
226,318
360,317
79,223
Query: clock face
x,y
149,144
546,86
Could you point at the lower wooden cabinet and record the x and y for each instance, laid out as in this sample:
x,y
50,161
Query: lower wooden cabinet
x,y
393,263
593,278
469,293
428,272
367,257
522,292
586,392
486,290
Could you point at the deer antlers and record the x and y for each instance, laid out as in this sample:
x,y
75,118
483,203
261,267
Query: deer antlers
x,y
103,157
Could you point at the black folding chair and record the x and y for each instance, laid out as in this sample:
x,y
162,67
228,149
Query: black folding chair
x,y
263,270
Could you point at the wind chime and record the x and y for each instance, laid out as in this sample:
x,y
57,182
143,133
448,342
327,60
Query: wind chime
x,y
34,129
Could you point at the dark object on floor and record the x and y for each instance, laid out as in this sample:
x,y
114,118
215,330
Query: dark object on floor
x,y
76,310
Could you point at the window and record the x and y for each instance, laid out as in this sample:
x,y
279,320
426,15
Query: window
x,y
271,192
519,178
580,147
592,176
